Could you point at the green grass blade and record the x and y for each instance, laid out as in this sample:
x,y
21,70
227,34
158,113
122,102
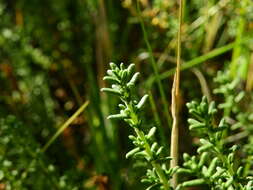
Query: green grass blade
x,y
194,62
65,125
199,60
154,65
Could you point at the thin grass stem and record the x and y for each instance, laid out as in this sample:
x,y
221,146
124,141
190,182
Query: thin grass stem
x,y
65,125
154,65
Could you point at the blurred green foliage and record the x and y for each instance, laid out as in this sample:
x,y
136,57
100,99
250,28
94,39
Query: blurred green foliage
x,y
54,54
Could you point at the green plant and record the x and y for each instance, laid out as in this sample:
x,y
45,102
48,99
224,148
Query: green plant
x,y
227,86
237,108
215,163
22,164
146,148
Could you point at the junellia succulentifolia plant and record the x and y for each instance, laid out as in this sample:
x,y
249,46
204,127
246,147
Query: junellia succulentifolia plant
x,y
215,163
212,166
146,148
227,88
237,108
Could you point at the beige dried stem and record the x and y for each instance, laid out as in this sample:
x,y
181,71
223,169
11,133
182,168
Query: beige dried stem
x,y
175,101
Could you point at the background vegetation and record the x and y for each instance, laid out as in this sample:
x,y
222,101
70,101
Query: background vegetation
x,y
54,54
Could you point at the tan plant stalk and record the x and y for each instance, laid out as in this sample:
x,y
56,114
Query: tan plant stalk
x,y
175,102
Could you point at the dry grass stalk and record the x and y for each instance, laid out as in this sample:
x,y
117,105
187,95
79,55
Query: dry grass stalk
x,y
175,102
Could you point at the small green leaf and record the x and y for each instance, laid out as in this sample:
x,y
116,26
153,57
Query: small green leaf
x,y
194,124
194,182
142,101
204,147
159,150
112,91
124,76
203,159
132,152
218,173
113,65
133,79
118,116
239,97
151,132
154,146
212,166
184,170
239,171
143,154
130,69
186,157
122,66
229,182
111,78
131,137
211,109
110,73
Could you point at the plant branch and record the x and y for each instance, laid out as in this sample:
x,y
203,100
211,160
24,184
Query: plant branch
x,y
155,165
